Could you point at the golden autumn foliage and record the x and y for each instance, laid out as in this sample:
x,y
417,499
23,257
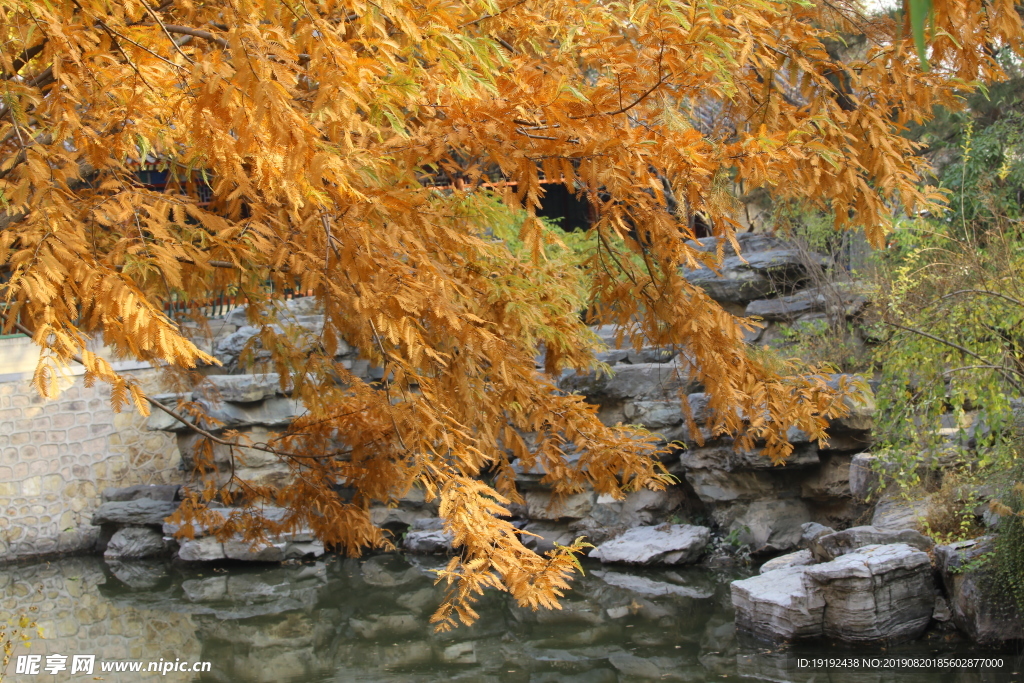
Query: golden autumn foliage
x,y
319,124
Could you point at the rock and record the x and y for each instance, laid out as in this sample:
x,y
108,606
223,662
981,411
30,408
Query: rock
x,y
297,551
864,478
718,486
879,593
843,542
646,381
548,506
942,612
979,609
770,526
800,558
894,513
205,549
650,587
754,276
237,549
780,604
139,512
636,667
810,533
134,543
460,653
546,535
724,457
830,481
244,388
861,405
435,542
787,308
665,544
151,491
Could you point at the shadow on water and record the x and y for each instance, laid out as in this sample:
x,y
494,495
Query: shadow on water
x,y
367,620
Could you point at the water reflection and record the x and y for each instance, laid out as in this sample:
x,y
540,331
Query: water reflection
x,y
367,620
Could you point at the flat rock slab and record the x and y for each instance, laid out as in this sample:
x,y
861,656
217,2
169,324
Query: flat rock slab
x,y
780,604
800,558
139,512
665,544
879,593
843,542
649,587
151,491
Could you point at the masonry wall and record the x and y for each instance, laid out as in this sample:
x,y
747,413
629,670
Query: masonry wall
x,y
57,456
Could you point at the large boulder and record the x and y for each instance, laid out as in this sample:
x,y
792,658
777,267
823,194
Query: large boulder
x,y
134,543
664,544
979,609
138,512
880,593
779,605
847,541
645,381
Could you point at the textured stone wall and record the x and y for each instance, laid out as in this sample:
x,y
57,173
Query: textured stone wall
x,y
64,601
57,456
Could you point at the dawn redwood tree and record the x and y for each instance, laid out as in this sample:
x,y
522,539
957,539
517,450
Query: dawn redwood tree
x,y
319,124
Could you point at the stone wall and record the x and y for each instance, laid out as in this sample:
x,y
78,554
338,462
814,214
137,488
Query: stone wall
x,y
64,601
57,456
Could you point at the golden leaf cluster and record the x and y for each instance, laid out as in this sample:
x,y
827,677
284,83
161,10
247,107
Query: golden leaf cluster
x,y
317,126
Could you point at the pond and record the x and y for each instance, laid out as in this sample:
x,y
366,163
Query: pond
x,y
367,620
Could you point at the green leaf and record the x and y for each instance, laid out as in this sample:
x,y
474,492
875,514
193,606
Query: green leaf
x,y
920,10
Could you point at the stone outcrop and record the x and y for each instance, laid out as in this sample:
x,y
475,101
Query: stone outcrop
x,y
978,608
138,512
878,593
204,547
780,604
664,544
849,540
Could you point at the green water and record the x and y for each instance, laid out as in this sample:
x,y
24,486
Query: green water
x,y
367,620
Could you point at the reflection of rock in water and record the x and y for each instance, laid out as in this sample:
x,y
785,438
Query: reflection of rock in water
x,y
367,620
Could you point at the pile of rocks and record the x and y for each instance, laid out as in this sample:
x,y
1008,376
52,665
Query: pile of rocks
x,y
133,527
871,585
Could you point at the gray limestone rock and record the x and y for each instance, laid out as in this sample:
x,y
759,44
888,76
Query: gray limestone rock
x,y
780,604
428,541
810,533
646,381
771,525
151,491
134,542
237,549
864,478
800,558
245,388
877,593
848,541
893,513
205,549
664,544
978,610
547,505
139,512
